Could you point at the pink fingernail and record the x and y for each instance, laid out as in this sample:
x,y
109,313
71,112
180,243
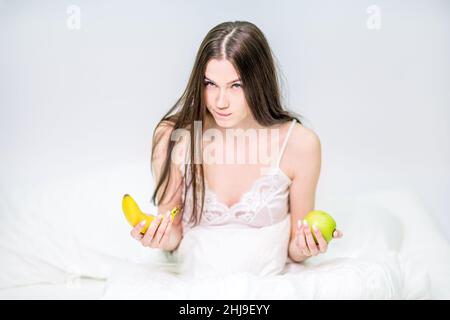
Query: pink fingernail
x,y
143,222
299,223
314,227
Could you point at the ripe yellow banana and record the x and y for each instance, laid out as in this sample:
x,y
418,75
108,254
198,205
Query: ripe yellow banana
x,y
134,215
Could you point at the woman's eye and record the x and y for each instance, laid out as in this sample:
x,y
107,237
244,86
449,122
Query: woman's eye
x,y
235,85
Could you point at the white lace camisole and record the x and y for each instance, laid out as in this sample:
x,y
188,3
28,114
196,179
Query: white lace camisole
x,y
265,203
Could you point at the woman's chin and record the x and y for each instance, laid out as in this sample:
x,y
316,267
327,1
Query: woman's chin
x,y
224,123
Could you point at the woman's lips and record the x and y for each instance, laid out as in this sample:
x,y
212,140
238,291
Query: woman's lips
x,y
222,114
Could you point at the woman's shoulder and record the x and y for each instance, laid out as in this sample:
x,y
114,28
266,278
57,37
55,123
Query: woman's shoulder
x,y
166,129
164,134
303,140
163,128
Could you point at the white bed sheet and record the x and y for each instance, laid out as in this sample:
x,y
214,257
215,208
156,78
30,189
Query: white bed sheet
x,y
82,289
66,216
383,256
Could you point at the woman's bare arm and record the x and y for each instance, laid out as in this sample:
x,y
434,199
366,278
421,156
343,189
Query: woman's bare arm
x,y
173,195
306,152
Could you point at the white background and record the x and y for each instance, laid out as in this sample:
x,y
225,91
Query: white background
x,y
73,100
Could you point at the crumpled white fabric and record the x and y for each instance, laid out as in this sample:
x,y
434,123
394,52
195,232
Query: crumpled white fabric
x,y
215,251
346,278
235,262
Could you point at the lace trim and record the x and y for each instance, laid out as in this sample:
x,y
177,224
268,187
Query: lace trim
x,y
259,195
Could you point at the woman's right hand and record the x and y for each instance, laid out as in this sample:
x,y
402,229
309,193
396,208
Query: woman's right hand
x,y
158,234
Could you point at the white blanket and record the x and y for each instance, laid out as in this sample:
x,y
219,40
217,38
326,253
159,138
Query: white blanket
x,y
49,233
235,262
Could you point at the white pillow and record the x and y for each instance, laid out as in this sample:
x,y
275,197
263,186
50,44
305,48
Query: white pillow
x,y
36,243
56,228
95,208
423,245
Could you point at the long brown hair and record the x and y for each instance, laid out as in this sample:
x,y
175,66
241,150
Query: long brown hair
x,y
245,46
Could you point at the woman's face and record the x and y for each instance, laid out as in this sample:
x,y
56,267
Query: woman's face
x,y
224,94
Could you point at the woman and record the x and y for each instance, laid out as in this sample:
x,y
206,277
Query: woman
x,y
233,88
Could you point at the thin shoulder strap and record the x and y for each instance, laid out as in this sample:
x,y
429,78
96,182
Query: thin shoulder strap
x,y
285,141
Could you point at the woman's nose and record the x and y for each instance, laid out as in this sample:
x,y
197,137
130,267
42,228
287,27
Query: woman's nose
x,y
222,100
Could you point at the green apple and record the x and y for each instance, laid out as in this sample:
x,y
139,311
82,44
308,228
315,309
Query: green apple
x,y
323,221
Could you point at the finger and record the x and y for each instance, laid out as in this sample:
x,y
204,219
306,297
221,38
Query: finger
x,y
297,233
301,242
166,235
323,245
309,239
162,228
150,234
136,231
138,236
178,217
337,234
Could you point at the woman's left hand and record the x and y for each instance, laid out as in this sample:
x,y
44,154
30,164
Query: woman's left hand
x,y
305,241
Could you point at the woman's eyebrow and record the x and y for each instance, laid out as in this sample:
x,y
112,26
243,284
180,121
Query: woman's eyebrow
x,y
227,83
